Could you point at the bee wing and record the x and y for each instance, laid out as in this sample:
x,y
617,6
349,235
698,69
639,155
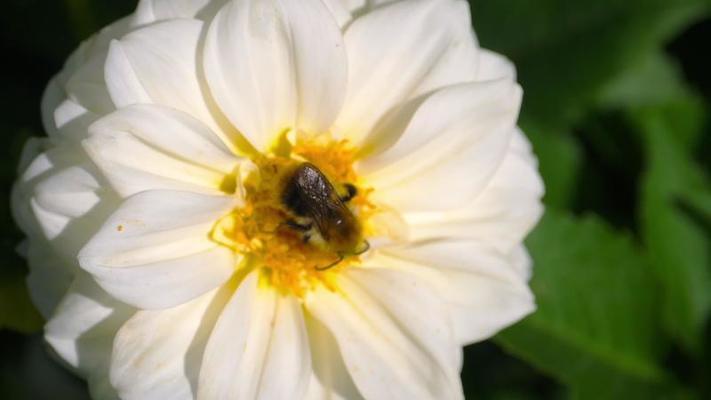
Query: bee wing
x,y
327,212
315,196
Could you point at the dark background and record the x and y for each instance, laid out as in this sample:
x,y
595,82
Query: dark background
x,y
616,105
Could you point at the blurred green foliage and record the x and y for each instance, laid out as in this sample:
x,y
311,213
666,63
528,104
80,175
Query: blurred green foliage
x,y
623,256
596,328
617,107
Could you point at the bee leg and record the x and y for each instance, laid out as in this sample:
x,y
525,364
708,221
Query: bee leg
x,y
297,226
306,238
351,192
333,264
366,247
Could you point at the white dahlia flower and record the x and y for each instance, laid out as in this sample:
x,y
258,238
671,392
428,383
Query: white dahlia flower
x,y
279,199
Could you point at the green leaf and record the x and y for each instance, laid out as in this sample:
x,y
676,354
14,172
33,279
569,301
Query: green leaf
x,y
675,207
655,84
596,324
698,204
652,81
566,51
679,245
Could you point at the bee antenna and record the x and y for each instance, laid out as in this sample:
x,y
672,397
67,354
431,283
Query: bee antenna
x,y
331,265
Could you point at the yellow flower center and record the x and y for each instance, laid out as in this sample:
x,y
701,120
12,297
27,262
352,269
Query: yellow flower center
x,y
305,215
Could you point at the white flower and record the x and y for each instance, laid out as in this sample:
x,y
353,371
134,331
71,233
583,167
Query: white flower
x,y
163,249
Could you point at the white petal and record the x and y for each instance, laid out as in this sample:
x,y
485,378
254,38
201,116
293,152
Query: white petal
x,y
157,354
146,147
417,308
460,61
287,368
34,166
274,65
70,192
32,148
449,148
149,11
98,45
158,64
51,98
83,327
431,45
155,250
342,10
77,95
68,206
258,349
330,380
235,353
83,77
502,215
58,197
88,87
61,208
522,262
384,361
73,120
49,278
484,290
494,66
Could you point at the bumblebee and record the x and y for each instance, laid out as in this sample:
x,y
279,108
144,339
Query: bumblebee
x,y
321,214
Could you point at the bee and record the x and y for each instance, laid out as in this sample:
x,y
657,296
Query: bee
x,y
321,213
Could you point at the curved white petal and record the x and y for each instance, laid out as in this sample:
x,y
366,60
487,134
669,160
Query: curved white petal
x,y
494,66
484,290
83,326
274,65
342,10
34,166
460,61
502,215
87,86
155,250
258,349
73,120
430,46
448,148
287,367
145,147
52,97
416,307
69,208
384,360
77,95
149,11
71,191
83,77
58,204
157,354
59,198
49,278
32,148
522,261
330,379
159,64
